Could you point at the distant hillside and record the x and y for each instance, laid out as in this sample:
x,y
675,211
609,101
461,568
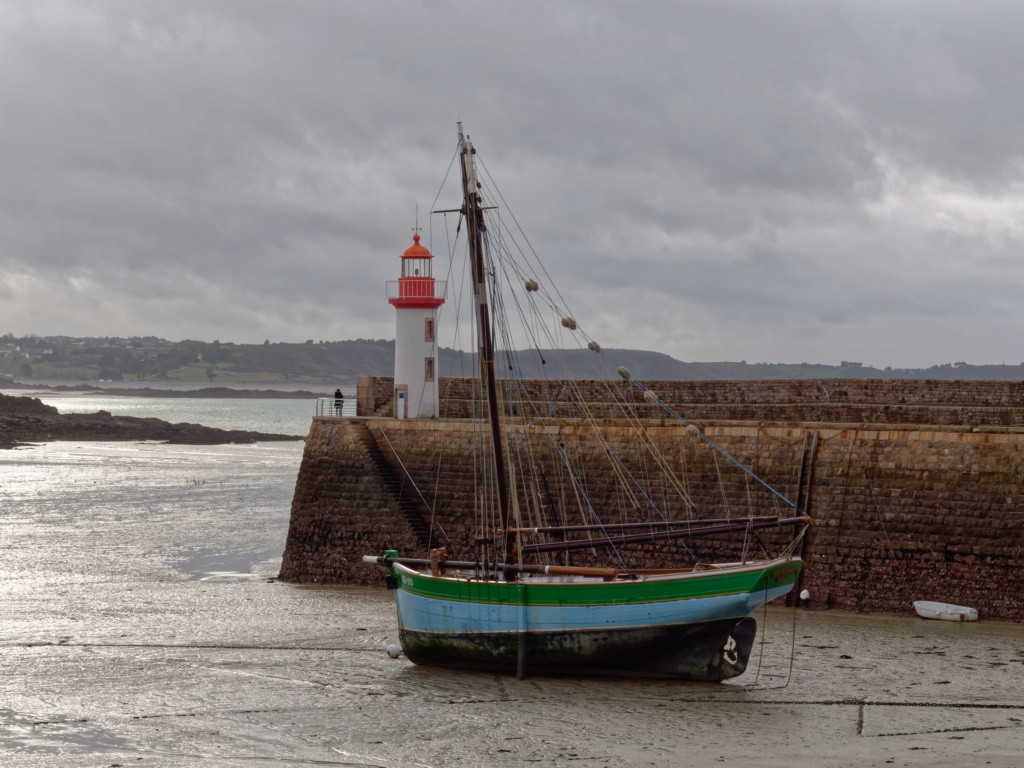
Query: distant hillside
x,y
67,358
655,366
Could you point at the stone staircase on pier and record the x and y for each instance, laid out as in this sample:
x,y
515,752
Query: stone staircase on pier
x,y
403,494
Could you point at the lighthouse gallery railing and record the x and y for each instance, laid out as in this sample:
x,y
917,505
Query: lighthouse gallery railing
x,y
417,288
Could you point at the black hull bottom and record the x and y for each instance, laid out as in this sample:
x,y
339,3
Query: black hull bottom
x,y
708,652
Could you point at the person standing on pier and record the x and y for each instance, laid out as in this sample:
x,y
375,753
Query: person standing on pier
x,y
339,402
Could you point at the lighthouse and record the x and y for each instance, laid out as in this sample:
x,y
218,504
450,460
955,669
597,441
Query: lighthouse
x,y
416,297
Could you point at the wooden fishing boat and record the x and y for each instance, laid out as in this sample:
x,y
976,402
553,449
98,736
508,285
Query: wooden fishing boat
x,y
541,595
928,609
690,625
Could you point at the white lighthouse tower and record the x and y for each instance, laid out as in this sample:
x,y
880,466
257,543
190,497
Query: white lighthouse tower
x,y
416,297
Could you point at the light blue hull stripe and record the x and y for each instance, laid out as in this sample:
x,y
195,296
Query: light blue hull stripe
x,y
427,614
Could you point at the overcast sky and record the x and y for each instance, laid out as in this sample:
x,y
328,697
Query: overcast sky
x,y
767,181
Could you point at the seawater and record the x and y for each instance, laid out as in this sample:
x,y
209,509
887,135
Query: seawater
x,y
141,623
289,417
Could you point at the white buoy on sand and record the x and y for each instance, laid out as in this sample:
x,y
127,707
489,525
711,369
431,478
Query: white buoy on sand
x,y
805,595
394,651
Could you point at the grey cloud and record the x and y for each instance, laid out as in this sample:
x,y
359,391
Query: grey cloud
x,y
250,169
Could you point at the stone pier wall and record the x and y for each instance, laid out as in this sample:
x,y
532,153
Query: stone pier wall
x,y
900,510
342,509
837,401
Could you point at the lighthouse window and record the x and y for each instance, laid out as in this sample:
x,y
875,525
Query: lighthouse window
x,y
428,369
428,329
416,268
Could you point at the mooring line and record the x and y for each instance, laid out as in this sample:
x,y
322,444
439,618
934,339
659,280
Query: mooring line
x,y
947,730
847,703
199,647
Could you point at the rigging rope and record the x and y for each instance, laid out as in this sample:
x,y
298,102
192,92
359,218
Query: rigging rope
x,y
507,261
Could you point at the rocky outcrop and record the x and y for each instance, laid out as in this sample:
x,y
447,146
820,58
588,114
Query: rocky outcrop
x,y
28,420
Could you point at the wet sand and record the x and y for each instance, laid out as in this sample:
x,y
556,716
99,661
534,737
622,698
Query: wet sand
x,y
140,624
248,672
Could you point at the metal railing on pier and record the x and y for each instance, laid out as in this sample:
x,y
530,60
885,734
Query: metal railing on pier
x,y
326,406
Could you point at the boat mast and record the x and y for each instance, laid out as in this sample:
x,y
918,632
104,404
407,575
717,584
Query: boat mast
x,y
475,228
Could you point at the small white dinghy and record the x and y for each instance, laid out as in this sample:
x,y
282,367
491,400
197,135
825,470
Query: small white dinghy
x,y
930,610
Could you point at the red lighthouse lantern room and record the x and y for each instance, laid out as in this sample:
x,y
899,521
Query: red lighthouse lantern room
x,y
416,288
